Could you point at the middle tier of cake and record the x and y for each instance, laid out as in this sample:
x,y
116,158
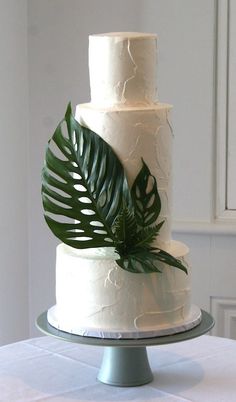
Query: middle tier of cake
x,y
134,134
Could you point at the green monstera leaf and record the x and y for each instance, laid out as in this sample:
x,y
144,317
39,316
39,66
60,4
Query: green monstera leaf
x,y
135,230
88,203
146,198
79,185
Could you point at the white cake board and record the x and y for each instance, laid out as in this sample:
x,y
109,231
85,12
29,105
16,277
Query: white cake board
x,y
193,319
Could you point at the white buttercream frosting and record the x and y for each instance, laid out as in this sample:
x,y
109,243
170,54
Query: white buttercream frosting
x,y
122,68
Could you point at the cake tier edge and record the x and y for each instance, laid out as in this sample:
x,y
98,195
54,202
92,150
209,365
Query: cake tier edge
x,y
192,320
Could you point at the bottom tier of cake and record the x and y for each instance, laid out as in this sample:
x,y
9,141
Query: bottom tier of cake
x,y
95,297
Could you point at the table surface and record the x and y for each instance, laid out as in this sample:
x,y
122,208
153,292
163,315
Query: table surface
x,y
47,369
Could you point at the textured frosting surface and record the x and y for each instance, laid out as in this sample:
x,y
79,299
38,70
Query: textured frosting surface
x,y
122,68
94,293
136,133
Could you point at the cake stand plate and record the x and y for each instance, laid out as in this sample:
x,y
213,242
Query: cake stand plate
x,y
125,361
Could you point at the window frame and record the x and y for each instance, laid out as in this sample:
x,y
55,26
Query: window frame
x,y
225,119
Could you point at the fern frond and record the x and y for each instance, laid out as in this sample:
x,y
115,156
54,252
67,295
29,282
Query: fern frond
x,y
147,235
124,230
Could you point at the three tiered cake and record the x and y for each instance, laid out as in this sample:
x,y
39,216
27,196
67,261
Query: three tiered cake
x,y
95,295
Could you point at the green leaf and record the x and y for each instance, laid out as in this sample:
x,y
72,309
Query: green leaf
x,y
168,259
79,186
139,261
145,197
147,261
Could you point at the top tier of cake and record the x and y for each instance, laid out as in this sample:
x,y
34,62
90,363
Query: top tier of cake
x,y
122,68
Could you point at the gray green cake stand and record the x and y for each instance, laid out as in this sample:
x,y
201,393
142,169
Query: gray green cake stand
x,y
125,361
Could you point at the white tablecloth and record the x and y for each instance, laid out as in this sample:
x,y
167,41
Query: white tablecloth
x,y
47,369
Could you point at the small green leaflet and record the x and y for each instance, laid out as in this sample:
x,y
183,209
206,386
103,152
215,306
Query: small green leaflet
x,y
88,203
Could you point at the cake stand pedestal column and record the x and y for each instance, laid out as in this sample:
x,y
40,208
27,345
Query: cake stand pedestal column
x,y
125,366
125,362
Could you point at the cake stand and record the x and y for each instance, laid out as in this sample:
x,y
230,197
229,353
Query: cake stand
x,y
125,361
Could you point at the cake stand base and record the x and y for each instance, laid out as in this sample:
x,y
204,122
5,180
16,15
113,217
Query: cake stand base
x,y
125,367
125,362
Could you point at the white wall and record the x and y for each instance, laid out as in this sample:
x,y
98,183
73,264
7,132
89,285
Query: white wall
x,y
13,171
57,55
